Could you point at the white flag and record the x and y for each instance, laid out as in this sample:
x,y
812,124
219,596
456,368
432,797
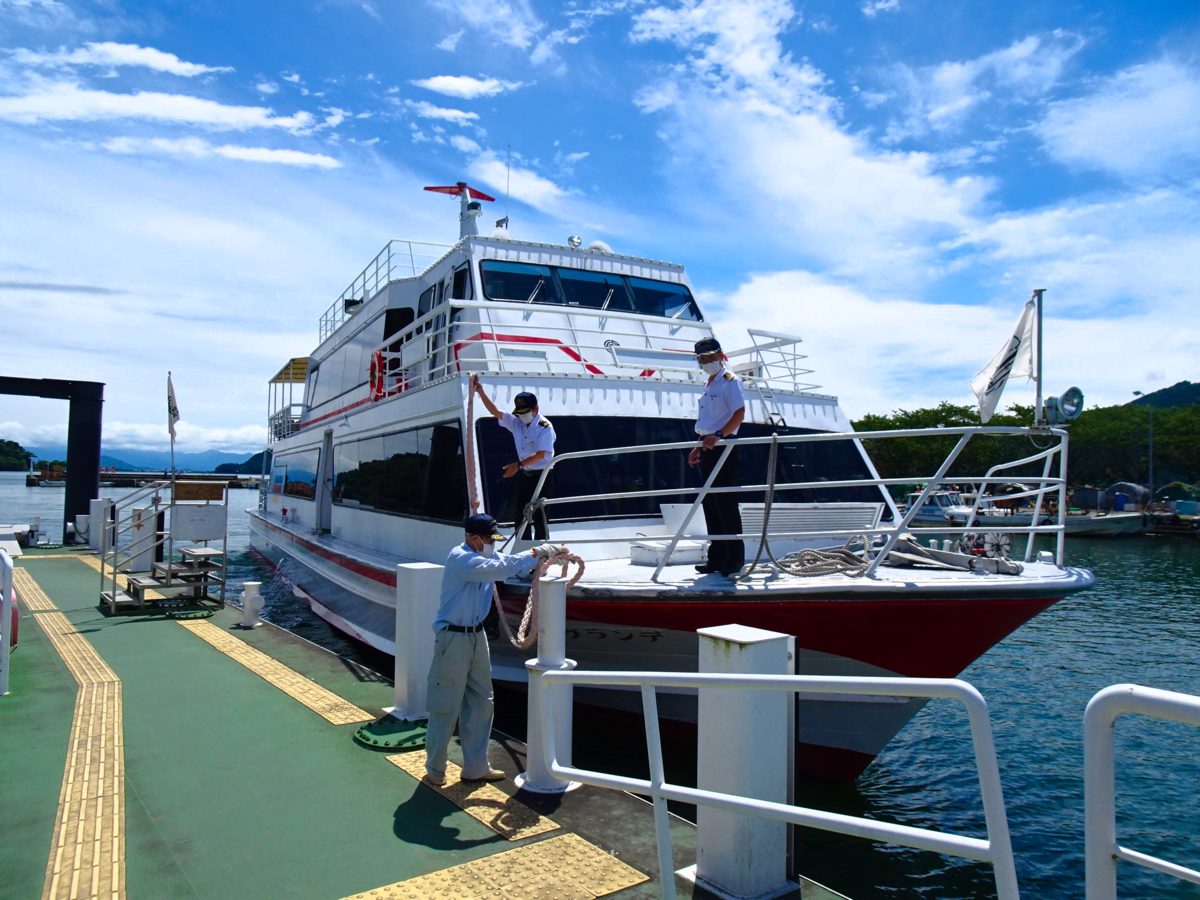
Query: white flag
x,y
1014,358
172,408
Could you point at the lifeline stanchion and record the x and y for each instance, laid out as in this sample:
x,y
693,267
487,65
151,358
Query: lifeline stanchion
x,y
6,617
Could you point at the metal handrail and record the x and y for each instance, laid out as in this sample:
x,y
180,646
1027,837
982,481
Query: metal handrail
x,y
996,849
1101,850
6,608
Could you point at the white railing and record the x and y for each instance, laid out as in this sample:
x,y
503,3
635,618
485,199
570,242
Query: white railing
x,y
1099,783
773,358
284,421
995,849
1053,456
397,259
6,609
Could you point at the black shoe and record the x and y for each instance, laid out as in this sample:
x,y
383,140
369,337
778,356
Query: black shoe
x,y
705,569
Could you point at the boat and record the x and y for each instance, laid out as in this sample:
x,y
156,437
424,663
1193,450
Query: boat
x,y
378,449
951,507
1099,523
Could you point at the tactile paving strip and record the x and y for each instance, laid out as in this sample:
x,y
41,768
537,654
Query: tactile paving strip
x,y
87,853
122,581
560,867
505,815
323,702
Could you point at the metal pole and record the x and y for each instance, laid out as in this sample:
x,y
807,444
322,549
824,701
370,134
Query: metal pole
x,y
1151,474
1037,403
6,611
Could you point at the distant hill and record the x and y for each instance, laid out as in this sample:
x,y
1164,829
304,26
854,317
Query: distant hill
x,y
252,466
1182,394
127,459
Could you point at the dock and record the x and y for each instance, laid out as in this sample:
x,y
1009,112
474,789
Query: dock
x,y
151,756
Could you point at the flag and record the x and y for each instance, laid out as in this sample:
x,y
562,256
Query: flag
x,y
172,408
1014,358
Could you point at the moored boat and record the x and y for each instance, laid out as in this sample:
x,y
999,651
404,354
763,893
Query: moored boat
x,y
376,457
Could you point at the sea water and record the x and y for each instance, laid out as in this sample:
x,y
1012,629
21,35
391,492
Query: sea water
x,y
1138,624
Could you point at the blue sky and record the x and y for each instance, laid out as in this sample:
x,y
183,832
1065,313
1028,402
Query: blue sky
x,y
188,186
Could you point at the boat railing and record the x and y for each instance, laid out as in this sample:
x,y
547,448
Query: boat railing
x,y
284,422
995,849
880,539
569,340
398,259
1101,849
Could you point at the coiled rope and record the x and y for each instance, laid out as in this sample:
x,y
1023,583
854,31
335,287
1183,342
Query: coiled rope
x,y
527,631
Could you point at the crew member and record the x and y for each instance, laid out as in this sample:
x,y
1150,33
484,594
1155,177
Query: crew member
x,y
722,408
460,677
533,436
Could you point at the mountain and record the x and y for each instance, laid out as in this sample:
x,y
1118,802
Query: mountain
x,y
128,459
1182,394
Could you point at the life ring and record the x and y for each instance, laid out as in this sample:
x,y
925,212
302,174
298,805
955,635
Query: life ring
x,y
377,375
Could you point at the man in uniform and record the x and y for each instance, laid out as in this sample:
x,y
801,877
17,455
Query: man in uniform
x,y
460,677
534,438
722,408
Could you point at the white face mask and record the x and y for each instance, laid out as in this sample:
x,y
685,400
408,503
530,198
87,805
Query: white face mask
x,y
527,418
488,550
711,368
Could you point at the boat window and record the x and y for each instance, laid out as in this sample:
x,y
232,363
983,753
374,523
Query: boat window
x,y
425,304
396,320
295,473
598,290
662,298
348,366
660,470
416,472
461,289
521,282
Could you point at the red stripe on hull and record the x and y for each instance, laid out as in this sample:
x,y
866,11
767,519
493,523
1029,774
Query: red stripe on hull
x,y
349,563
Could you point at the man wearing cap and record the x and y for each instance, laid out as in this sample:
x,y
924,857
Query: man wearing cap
x,y
722,408
534,438
460,677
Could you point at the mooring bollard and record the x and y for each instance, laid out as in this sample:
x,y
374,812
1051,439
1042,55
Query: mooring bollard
x,y
252,604
549,706
418,589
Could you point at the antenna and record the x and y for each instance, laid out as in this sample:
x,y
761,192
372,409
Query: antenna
x,y
507,181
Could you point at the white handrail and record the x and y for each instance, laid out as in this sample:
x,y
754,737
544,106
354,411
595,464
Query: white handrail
x,y
1101,850
6,580
995,849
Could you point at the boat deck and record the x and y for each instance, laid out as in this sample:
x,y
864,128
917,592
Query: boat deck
x,y
149,756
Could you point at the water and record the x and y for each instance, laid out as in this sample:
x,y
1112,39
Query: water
x,y
1138,624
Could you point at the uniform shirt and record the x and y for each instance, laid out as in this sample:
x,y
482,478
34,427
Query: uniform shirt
x,y
722,397
467,583
537,435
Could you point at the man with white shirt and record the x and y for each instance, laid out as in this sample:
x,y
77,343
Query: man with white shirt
x,y
722,408
533,436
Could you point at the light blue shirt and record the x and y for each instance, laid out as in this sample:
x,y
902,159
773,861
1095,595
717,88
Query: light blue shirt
x,y
537,435
722,397
467,583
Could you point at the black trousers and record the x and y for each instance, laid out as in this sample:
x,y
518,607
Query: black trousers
x,y
721,512
523,485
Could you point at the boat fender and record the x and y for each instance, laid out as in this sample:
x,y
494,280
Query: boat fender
x,y
377,374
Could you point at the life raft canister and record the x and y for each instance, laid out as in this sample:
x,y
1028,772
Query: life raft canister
x,y
377,375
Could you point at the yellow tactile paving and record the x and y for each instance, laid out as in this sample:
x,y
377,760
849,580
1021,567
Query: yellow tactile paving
x,y
324,703
505,815
87,855
560,867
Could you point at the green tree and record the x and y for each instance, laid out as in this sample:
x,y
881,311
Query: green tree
x,y
13,457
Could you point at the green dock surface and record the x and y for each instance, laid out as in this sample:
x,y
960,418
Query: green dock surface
x,y
139,758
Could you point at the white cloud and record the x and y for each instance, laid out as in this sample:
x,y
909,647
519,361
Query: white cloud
x,y
942,96
466,87
64,101
440,113
464,144
512,22
1142,122
247,439
450,42
200,149
533,189
872,8
334,117
108,53
266,87
291,77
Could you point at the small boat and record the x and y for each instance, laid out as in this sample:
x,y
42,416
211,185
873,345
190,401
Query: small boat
x,y
1104,524
379,448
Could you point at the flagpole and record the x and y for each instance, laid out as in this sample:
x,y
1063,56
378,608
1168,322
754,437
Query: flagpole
x,y
1037,403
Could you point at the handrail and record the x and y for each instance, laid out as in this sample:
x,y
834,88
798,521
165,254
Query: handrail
x,y
6,610
1101,850
995,849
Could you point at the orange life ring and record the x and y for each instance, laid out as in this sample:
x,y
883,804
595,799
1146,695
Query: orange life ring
x,y
377,374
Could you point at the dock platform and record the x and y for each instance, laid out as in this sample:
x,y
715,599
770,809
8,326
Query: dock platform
x,y
148,756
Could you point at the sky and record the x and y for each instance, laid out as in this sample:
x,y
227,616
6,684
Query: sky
x,y
188,186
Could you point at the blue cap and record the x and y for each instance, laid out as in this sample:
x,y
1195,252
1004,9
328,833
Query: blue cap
x,y
483,525
524,402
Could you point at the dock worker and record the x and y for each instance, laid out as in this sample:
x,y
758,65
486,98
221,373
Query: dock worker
x,y
460,677
533,436
722,408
